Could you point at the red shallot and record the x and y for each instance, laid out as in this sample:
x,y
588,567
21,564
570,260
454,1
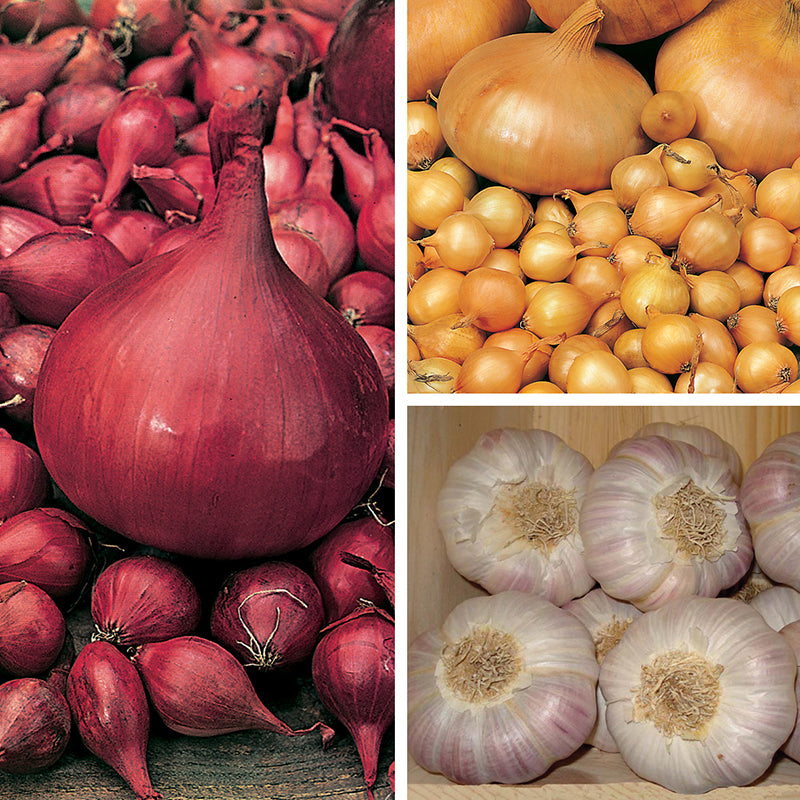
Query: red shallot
x,y
131,232
143,28
186,186
167,74
110,710
284,167
185,113
94,62
170,240
19,133
375,227
17,225
22,350
357,169
24,483
142,599
380,341
304,256
194,139
23,17
365,297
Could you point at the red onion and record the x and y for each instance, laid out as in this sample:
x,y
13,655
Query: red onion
x,y
195,140
62,188
76,111
307,125
110,710
23,17
314,210
9,316
168,74
268,616
383,577
32,68
222,66
284,167
320,30
324,9
142,599
357,169
353,670
142,27
140,130
94,63
279,37
24,482
186,185
213,10
365,297
131,232
381,343
19,134
375,227
185,113
303,255
198,688
235,28
171,239
176,392
387,467
358,71
47,547
32,629
17,225
51,273
22,350
34,725
344,587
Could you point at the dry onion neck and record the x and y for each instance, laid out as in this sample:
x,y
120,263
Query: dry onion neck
x,y
540,514
692,519
679,694
787,28
482,666
578,34
607,637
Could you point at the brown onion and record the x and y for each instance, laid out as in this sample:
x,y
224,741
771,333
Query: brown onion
x,y
671,342
646,380
598,372
434,295
690,164
765,367
595,276
706,378
749,280
755,324
558,308
565,354
523,342
766,244
668,116
663,212
461,241
628,348
719,346
631,176
788,314
450,336
632,252
491,299
491,370
505,214
709,241
432,376
424,142
778,282
466,178
654,287
714,294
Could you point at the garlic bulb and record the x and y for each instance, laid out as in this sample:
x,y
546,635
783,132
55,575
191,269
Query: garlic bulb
x,y
700,694
753,583
661,520
779,606
771,505
509,513
791,633
504,689
606,620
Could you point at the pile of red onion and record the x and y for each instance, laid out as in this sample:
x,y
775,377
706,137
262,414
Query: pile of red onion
x,y
196,386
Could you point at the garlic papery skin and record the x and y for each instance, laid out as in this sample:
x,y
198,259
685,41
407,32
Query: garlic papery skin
x,y
662,520
771,504
509,510
779,606
501,691
791,633
700,694
606,619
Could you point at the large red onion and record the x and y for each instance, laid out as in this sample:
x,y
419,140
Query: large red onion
x,y
51,273
62,188
269,616
95,62
131,232
198,688
142,599
24,482
32,629
375,227
22,350
19,133
365,297
47,547
17,225
143,28
358,71
110,710
387,468
344,587
284,167
148,426
186,185
22,17
353,670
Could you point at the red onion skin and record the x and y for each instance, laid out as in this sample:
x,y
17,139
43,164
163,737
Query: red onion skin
x,y
344,587
185,113
142,599
381,343
77,110
51,273
140,130
109,708
131,232
17,225
20,18
171,240
365,297
304,256
375,227
269,616
199,689
167,73
24,483
353,671
166,190
181,467
357,169
61,187
47,547
148,27
94,63
22,350
34,725
19,134
284,168
358,70
195,140
32,629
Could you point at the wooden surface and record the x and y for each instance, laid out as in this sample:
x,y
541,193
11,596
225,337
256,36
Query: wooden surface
x,y
437,437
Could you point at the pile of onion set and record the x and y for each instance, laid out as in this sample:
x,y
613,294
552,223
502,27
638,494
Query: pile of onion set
x,y
692,641
196,383
648,241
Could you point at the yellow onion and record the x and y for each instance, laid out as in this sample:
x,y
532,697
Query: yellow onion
x,y
432,196
439,33
632,252
580,201
778,282
595,276
548,256
668,116
517,109
416,264
434,295
709,241
600,225
706,378
540,387
524,342
664,211
690,164
738,62
491,299
413,353
566,352
788,314
631,176
424,140
625,22
791,388
738,192
714,294
552,209
558,308
719,346
598,372
493,370
461,241
505,213
778,197
653,287
671,342
765,367
430,257
628,348
467,179
766,244
646,380
754,324
506,260
532,288
750,281
546,226
608,322
432,376
448,337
